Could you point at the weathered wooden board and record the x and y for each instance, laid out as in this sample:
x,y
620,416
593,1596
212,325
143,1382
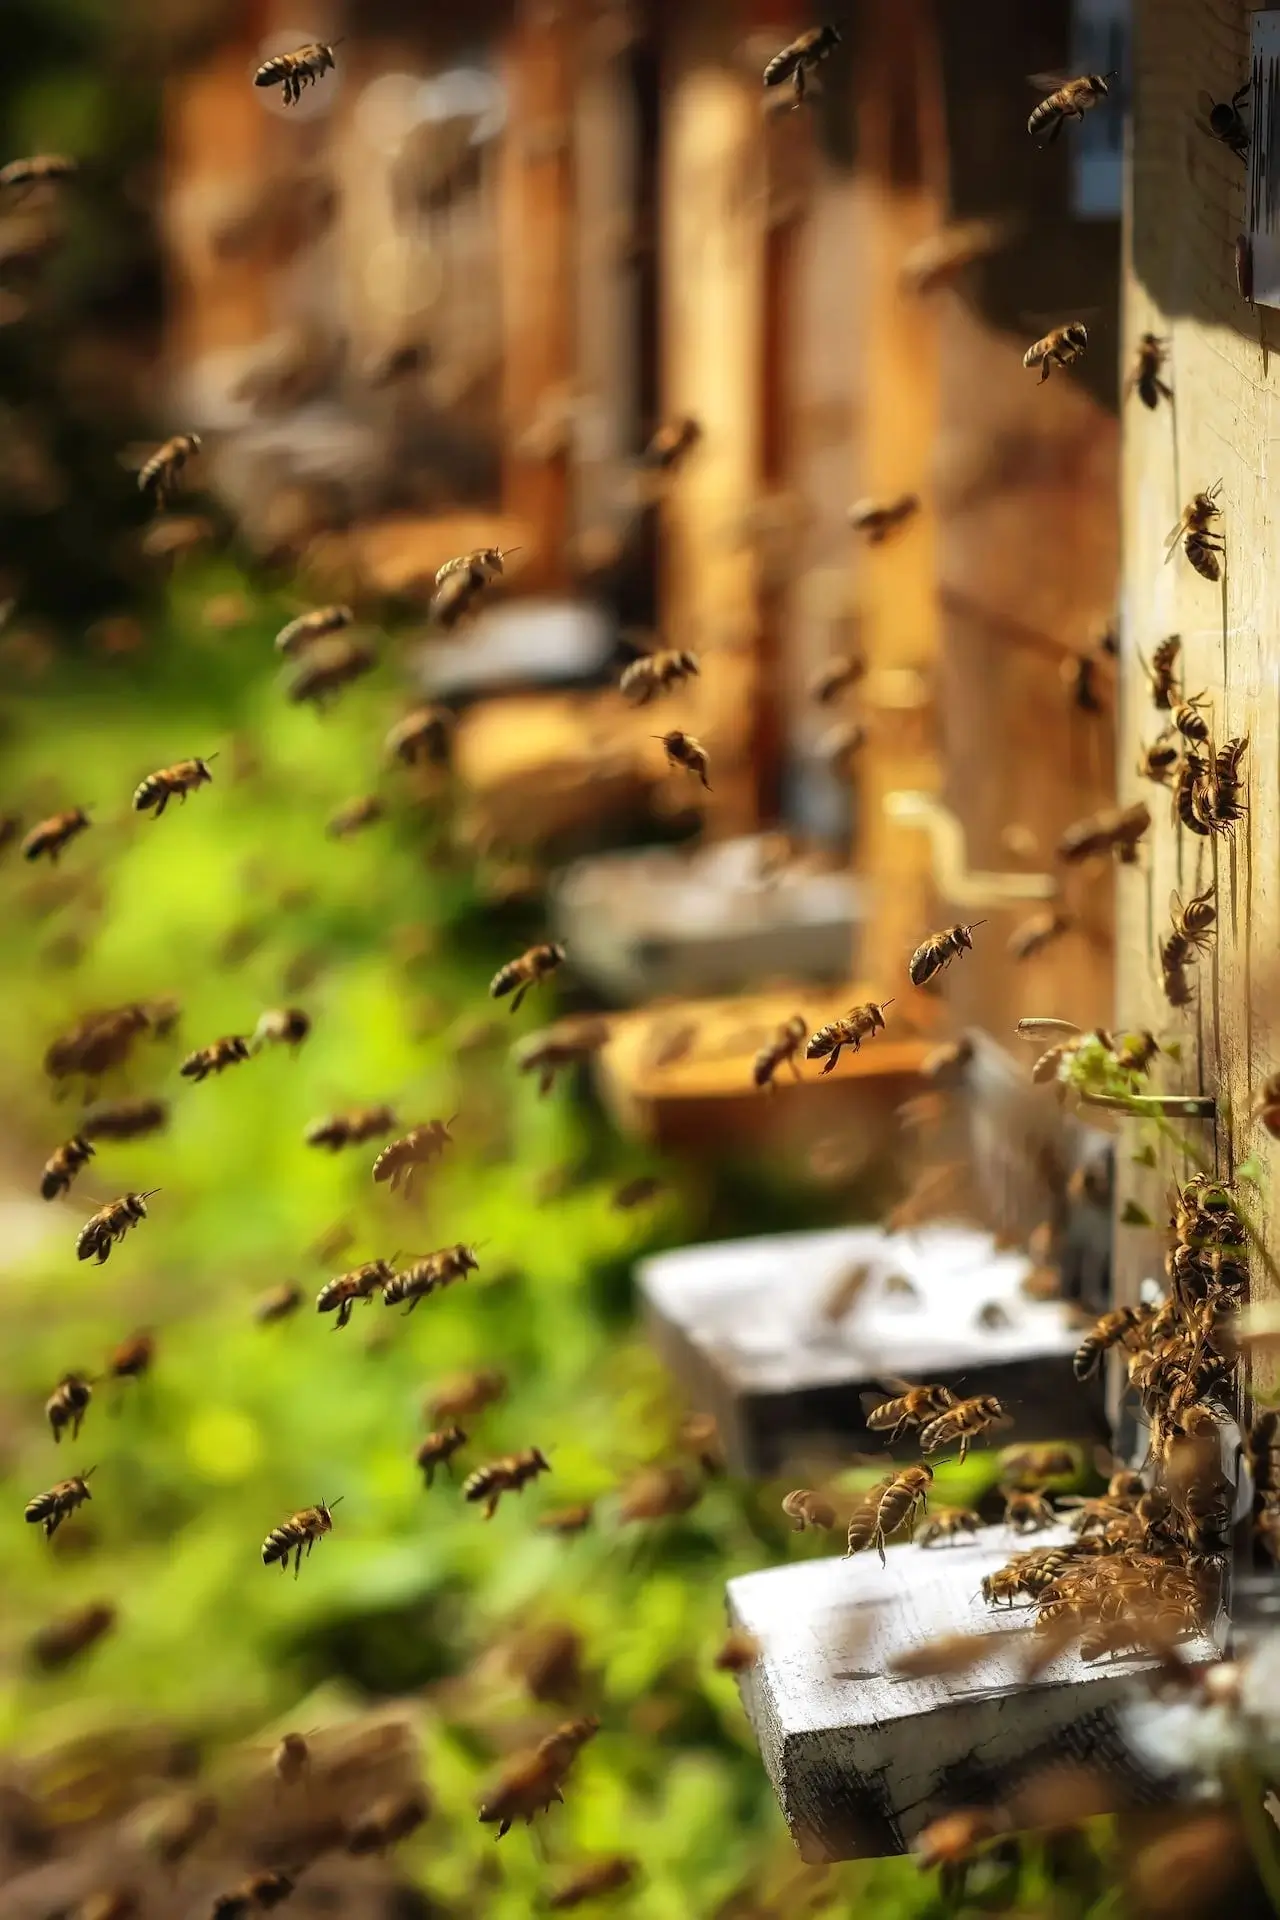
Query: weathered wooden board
x,y
861,1760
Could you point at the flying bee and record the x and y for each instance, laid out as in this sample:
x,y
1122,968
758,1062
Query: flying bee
x,y
939,950
461,580
125,1120
110,1224
62,1166
258,1894
215,1058
1032,1466
132,1358
1226,784
67,1405
655,673
880,518
940,259
782,1050
1061,347
361,1283
63,1640
1162,674
53,835
738,1652
549,1053
353,816
328,665
402,1161
464,1395
293,71
278,1304
914,1407
428,1276
298,1531
508,1475
531,1781
1202,547
159,788
672,444
158,476
836,677
805,1508
1112,1329
566,1521
1027,1512
1222,120
609,1875
1114,830
423,738
19,176
1147,366
895,1504
390,1819
799,58
1037,932
685,754
438,1449
949,1523
859,1024
657,1493
308,627
281,1027
52,1508
350,1129
535,964
963,1421
1069,101
1190,722
1158,760
951,1843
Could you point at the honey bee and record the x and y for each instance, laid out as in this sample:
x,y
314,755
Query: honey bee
x,y
402,1161
429,1275
176,534
67,1405
880,518
53,835
298,1531
1222,120
685,754
914,1407
463,1395
654,673
423,738
350,1129
110,1224
636,1193
799,58
1145,378
941,258
947,1066
52,1508
1070,101
1037,932
283,1027
1266,1106
133,1357
949,1523
62,1166
158,476
63,1640
1226,786
738,1652
549,1053
97,1042
1201,546
125,1120
672,444
327,666
782,1050
894,1504
1114,830
438,1449
278,1304
859,1024
294,71
844,1293
531,1781
1190,722
963,1422
1027,1512
657,1493
1061,347
1021,1466
1193,924
291,1758
461,581
159,788
258,1894
361,1283
939,950
567,1520
609,1875
1158,760
1111,1330
535,964
1192,794
353,816
508,1475
215,1058
804,1508
836,677
1162,674
946,1655
950,1844
19,176
316,625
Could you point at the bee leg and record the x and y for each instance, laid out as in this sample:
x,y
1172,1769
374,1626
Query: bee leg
x,y
798,87
879,1540
1044,370
832,1061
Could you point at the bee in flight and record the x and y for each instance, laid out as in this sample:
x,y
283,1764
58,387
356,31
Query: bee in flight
x,y
686,754
404,1159
216,1058
800,57
461,581
509,1475
429,1275
805,1508
782,1050
839,673
1201,546
1114,830
963,1422
353,816
317,625
1145,377
278,1303
1059,348
298,1531
50,1509
879,518
281,1027
19,176
939,950
67,1405
159,788
63,1640
672,444
423,738
557,1048
655,673
914,1407
51,836
1222,120
326,666
438,1449
361,1283
158,475
1026,1511
535,964
350,1129
294,71
609,1875
125,1120
258,1894
132,1358
531,1781
62,1166
859,1024
111,1223
896,1503
1070,100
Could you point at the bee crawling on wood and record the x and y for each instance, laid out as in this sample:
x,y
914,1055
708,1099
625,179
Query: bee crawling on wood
x,y
300,1530
215,1058
461,581
402,1161
895,1504
685,754
39,169
258,1894
1225,785
1070,100
655,673
799,58
782,1050
557,1048
110,1224
361,1283
1266,1106
804,1508
877,519
1061,347
535,964
62,1166
430,1275
158,789
67,1405
350,1129
423,738
182,1826
508,1475
1145,378
914,1407
293,71
158,476
609,1875
281,1027
939,950
52,836
1202,547
1027,1512
438,1449
52,1508
1162,676
308,627
531,1781
672,444
1158,760
327,666
859,1024
1222,120
949,1523
1190,722
963,1422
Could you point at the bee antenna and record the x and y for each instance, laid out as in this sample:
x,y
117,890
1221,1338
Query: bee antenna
x,y
889,1002
150,1190
89,1472
211,756
329,1505
976,923
504,551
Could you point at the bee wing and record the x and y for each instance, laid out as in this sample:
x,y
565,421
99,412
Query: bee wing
x,y
1037,1031
1048,82
1172,539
